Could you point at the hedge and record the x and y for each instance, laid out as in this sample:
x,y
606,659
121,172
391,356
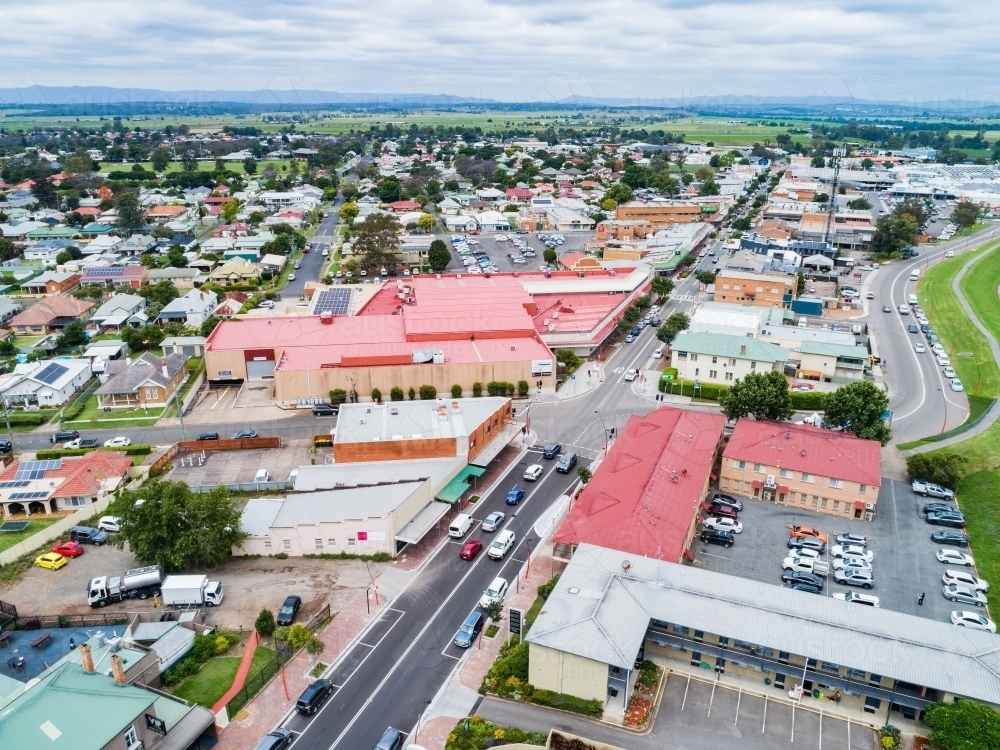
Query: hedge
x,y
800,400
132,450
22,419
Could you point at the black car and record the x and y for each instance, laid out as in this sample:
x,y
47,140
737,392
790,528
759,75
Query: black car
x,y
723,499
941,508
914,328
954,538
276,740
551,450
801,576
63,436
946,519
324,410
244,434
208,436
711,536
806,542
313,697
6,446
288,610
808,588
392,740
656,322
466,634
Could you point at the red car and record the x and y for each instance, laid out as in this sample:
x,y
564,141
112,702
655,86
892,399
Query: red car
x,y
470,549
723,511
69,549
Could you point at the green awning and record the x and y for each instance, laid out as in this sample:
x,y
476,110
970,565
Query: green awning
x,y
453,491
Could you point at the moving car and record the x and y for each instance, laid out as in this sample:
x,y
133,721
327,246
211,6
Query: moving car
x,y
723,524
903,310
919,348
313,697
809,531
956,538
964,594
851,550
862,578
631,375
853,596
288,610
50,560
503,542
324,410
495,592
723,538
470,549
954,557
962,578
68,549
533,472
493,520
515,495
244,434
551,450
723,499
109,523
278,739
914,328
886,309
806,542
800,576
973,620
467,633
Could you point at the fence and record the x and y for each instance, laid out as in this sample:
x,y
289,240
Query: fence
x,y
36,622
8,612
54,531
319,619
238,444
192,393
245,487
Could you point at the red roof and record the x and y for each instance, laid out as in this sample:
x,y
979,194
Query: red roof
x,y
82,475
521,193
403,206
645,494
802,447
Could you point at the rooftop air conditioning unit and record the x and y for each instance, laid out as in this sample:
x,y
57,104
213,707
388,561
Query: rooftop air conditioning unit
x,y
869,506
555,314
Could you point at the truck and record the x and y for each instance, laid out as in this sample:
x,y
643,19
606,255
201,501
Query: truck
x,y
138,583
929,489
806,565
191,591
81,443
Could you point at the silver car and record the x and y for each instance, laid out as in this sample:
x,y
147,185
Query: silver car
x,y
964,594
493,521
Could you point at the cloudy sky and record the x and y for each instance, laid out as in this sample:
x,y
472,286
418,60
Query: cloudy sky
x,y
513,50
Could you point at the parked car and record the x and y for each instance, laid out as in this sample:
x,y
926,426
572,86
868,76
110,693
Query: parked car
x,y
862,578
533,472
940,508
324,410
954,557
289,609
806,542
956,385
515,495
244,434
807,587
852,550
930,489
722,499
278,739
88,535
467,633
63,436
954,538
50,560
962,578
68,549
208,436
500,546
629,339
964,594
804,554
851,563
801,576
853,596
470,549
852,539
973,620
493,520
723,538
723,511
495,592
393,739
946,519
313,697
809,531
109,523
723,524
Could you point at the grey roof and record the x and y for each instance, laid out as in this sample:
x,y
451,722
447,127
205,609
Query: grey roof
x,y
120,304
438,470
606,620
42,279
343,504
183,340
145,368
259,514
158,274
364,422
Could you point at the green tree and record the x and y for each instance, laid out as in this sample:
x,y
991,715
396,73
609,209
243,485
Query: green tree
x,y
130,217
758,395
818,161
892,234
63,257
250,165
914,208
229,210
709,187
705,277
963,725
584,473
965,213
439,256
189,164
867,164
666,184
77,163
662,286
161,159
637,177
672,326
167,524
376,240
945,468
703,173
72,335
619,193
396,393
264,624
162,232
858,408
389,190
208,325
859,204
550,256
348,212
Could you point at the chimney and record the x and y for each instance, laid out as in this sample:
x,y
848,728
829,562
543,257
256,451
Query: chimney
x,y
128,359
86,658
163,369
117,670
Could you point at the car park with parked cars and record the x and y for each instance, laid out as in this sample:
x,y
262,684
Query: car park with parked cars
x,y
954,557
853,596
722,538
973,620
723,524
955,593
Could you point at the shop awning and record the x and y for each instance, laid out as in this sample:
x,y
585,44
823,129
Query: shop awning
x,y
183,734
497,444
757,483
783,489
453,491
859,505
423,522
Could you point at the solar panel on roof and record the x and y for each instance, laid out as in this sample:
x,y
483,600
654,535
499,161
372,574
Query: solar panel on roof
x,y
9,485
334,301
28,495
109,271
51,373
27,470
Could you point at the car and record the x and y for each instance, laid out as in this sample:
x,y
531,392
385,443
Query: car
x,y
945,519
723,511
938,348
721,498
853,596
288,610
515,495
629,339
919,348
806,542
467,633
803,564
552,450
849,538
6,446
313,697
903,310
800,576
493,520
913,328
63,436
291,276
949,372
324,410
809,531
807,587
266,304
711,536
109,523
871,295
470,549
495,592
117,442
500,546
804,554
277,739
950,254
88,535
50,560
955,538
923,488
964,594
244,434
631,374
940,508
723,524
973,620
956,385
533,472
942,360
208,436
962,578
850,550
854,577
297,266
954,557
68,549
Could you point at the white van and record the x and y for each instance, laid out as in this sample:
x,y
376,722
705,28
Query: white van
x,y
915,274
460,525
912,299
261,476
803,323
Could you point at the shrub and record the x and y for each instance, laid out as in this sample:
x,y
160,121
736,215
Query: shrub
x,y
338,396
281,556
428,393
522,388
945,468
808,400
264,624
396,394
220,645
298,635
477,389
281,633
546,588
376,394
314,645
456,391
412,394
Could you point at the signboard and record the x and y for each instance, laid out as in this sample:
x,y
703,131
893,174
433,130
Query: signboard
x,y
668,377
362,536
541,367
514,620
156,724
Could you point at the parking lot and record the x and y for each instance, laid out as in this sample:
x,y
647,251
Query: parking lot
x,y
233,467
497,251
904,563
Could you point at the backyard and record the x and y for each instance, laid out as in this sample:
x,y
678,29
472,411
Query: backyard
x,y
211,682
9,538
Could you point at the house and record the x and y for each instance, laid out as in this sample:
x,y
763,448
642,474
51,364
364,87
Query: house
x,y
402,207
66,485
804,467
50,314
146,381
231,305
182,278
103,244
47,250
493,221
46,382
116,276
138,244
165,213
194,308
186,346
275,263
721,359
461,223
51,282
118,310
832,363
449,207
8,309
235,272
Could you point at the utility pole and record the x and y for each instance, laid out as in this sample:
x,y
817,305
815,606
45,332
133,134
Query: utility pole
x,y
830,209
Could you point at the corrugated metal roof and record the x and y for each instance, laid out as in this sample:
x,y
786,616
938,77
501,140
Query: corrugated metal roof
x,y
438,470
607,619
343,504
722,345
362,423
834,350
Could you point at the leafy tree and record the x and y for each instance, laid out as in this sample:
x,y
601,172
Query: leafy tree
x,y
584,473
666,184
859,204
619,193
130,218
550,256
867,164
893,234
913,208
348,212
72,335
265,624
709,187
349,191
758,395
963,725
821,198
637,177
705,277
439,256
818,161
945,468
428,393
569,358
396,393
608,205
176,528
858,408
256,217
662,286
425,223
389,190
162,232
703,173
63,257
175,256
229,210
456,392
672,326
250,165
161,159
965,213
149,260
376,240
208,325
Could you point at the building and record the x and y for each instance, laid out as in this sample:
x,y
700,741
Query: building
x,y
116,276
186,346
238,271
644,497
8,309
182,278
45,383
50,315
61,484
51,282
145,381
661,213
721,359
194,308
610,608
765,289
804,466
117,311
831,363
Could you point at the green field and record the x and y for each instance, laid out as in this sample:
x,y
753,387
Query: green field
x,y
8,538
203,166
213,680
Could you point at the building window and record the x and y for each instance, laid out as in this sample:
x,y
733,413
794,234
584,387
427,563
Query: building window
x,y
753,365
696,371
729,376
736,287
746,486
694,358
732,361
286,543
332,542
826,666
875,680
267,544
815,501
695,659
862,488
837,483
836,505
699,635
131,737
822,502
760,289
725,286
779,681
856,674
739,464
808,477
715,360
725,483
785,473
724,641
872,704
319,544
681,630
713,373
758,468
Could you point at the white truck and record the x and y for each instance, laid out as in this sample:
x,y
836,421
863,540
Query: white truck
x,y
191,591
138,583
929,489
806,565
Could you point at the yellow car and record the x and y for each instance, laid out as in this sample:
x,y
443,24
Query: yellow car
x,y
52,561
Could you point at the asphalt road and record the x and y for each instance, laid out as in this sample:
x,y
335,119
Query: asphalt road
x,y
311,263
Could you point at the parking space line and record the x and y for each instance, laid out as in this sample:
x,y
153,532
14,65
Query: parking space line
x,y
848,733
763,725
711,700
738,697
686,686
792,740
821,729
456,658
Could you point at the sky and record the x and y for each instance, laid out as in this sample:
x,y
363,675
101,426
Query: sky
x,y
912,51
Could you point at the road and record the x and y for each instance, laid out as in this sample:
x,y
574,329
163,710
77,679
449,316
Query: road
x,y
311,263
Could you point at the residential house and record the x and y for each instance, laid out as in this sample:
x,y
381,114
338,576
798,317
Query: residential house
x,y
52,232
832,363
461,223
146,381
186,346
231,305
116,276
118,310
275,263
182,278
166,213
45,383
721,359
138,244
8,309
47,250
102,244
50,314
194,308
51,282
235,272
449,207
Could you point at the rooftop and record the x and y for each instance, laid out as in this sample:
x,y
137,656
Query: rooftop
x,y
327,477
722,345
442,418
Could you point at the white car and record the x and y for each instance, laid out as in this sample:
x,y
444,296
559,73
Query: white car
x,y
954,557
973,620
938,348
851,563
962,578
723,524
495,593
804,553
500,546
903,310
949,372
956,385
852,550
942,359
533,472
266,304
109,523
919,348
854,596
951,254
117,442
631,375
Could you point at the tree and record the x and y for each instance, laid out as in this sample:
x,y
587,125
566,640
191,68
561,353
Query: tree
x,y
425,223
439,256
250,165
619,193
229,210
44,191
705,277
162,292
666,184
348,212
584,473
550,256
867,164
162,232
208,325
167,524
859,204
72,335
703,173
264,624
965,213
892,234
963,725
376,240
858,408
662,286
130,218
161,159
709,187
63,257
672,326
945,468
758,395
389,190
818,161
913,208
494,611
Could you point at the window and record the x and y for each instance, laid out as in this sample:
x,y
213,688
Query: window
x,y
872,704
729,376
319,544
696,371
783,657
286,543
856,674
681,629
695,659
150,394
74,501
862,488
836,505
753,365
875,680
723,641
713,373
760,289
131,737
741,644
694,357
726,286
736,287
758,468
779,681
699,635
746,486
837,483
725,484
739,464
808,477
774,290
822,502
815,501
715,360
267,544
732,361
826,666
766,652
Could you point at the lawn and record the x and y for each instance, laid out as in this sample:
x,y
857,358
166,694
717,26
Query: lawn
x,y
203,166
8,538
94,416
979,499
213,680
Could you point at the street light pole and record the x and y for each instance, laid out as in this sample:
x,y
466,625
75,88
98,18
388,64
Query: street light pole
x,y
598,413
527,544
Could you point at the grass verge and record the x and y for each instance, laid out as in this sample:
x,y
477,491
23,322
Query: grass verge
x,y
979,499
9,538
213,680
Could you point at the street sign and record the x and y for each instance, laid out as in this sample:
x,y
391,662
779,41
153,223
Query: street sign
x,y
668,377
514,620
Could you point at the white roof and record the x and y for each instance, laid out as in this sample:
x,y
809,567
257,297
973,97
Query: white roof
x,y
259,514
438,470
365,422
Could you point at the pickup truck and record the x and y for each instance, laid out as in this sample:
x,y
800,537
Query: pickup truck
x,y
929,489
806,565
81,443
